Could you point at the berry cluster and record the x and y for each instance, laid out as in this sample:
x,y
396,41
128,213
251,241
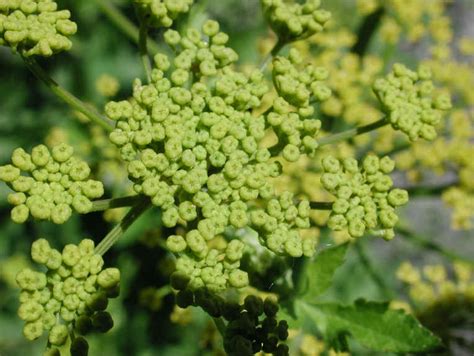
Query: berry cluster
x,y
162,13
71,297
292,21
365,199
407,99
252,326
35,27
56,181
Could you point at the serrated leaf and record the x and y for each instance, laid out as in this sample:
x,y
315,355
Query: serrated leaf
x,y
372,324
321,271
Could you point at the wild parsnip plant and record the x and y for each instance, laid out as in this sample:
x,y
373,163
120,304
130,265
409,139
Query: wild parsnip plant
x,y
242,168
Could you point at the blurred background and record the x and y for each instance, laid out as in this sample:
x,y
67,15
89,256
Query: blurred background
x,y
102,65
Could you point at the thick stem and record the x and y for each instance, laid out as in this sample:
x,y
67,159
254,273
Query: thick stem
x,y
124,24
345,135
220,325
321,205
105,204
120,228
142,46
276,48
66,96
431,245
371,270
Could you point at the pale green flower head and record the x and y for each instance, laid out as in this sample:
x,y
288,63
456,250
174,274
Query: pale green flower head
x,y
162,13
35,27
72,295
193,146
365,197
292,20
408,99
49,184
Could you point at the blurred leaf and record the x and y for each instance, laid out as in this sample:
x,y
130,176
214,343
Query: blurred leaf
x,y
372,324
321,271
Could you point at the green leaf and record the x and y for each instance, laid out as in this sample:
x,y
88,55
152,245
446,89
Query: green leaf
x,y
321,271
372,324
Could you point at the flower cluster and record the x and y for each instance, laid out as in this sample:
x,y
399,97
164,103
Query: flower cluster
x,y
407,100
431,284
193,148
296,130
365,199
292,21
215,266
71,296
56,181
414,20
451,152
162,13
35,27
252,326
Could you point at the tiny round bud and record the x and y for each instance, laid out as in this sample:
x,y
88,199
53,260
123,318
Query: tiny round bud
x,y
58,335
109,278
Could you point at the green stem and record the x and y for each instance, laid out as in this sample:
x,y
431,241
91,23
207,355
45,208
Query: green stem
x,y
220,325
367,264
66,96
276,48
163,291
431,245
105,204
345,135
125,25
321,205
424,190
119,229
142,46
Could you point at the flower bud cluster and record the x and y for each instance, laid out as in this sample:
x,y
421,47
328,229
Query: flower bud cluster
x,y
199,265
71,296
279,223
364,195
297,89
35,27
162,13
192,146
407,99
54,183
433,285
296,85
292,21
252,326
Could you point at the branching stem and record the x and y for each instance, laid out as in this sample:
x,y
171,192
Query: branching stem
x,y
142,46
105,204
276,48
124,24
321,205
135,212
345,135
66,96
